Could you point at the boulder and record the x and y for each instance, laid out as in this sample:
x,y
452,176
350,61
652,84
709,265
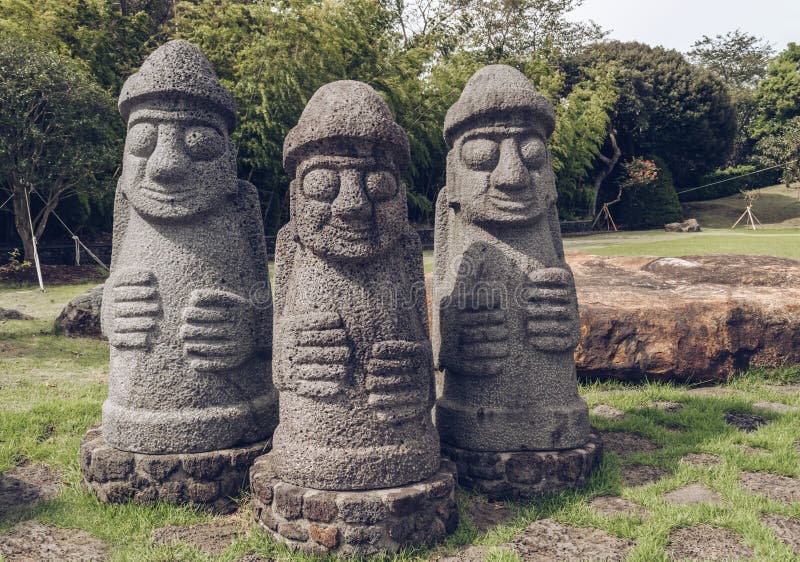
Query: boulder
x,y
11,314
81,317
697,318
689,319
689,225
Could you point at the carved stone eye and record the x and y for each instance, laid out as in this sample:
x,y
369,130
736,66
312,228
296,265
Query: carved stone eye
x,y
141,140
203,143
321,184
533,151
381,185
480,154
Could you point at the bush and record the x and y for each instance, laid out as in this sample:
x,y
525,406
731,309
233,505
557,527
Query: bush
x,y
646,205
734,186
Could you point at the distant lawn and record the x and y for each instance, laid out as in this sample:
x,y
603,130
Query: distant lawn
x,y
776,207
781,243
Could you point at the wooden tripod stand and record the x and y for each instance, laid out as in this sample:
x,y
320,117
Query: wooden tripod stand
x,y
750,197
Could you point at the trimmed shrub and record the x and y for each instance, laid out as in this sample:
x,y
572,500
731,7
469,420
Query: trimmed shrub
x,y
651,205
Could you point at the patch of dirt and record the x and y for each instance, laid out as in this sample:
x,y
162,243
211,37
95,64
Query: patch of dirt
x,y
253,557
704,542
26,485
608,412
545,540
32,541
667,406
776,407
744,421
485,514
211,538
773,486
692,494
54,275
642,474
712,392
11,314
754,451
615,505
702,459
626,443
786,388
787,529
469,554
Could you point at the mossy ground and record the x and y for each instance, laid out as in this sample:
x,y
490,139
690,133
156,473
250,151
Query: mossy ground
x,y
51,389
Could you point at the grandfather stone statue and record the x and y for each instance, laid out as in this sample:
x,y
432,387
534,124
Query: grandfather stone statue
x,y
353,361
187,307
505,314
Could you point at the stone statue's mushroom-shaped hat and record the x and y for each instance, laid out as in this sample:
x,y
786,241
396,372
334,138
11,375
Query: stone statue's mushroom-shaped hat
x,y
345,110
177,69
495,90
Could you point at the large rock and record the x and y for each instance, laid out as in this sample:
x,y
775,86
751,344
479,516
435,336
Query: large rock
x,y
81,317
686,319
689,225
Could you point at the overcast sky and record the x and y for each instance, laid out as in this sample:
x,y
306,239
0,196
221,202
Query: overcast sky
x,y
679,23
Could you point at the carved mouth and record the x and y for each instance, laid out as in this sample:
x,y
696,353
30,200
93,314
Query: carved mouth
x,y
166,196
352,232
505,203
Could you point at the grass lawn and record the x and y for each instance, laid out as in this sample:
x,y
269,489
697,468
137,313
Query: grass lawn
x,y
51,389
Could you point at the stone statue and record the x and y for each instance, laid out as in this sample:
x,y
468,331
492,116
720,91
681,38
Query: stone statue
x,y
187,307
353,361
505,313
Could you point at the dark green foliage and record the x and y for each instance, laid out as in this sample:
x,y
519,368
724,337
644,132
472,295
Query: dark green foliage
x,y
646,206
731,186
59,131
666,107
778,95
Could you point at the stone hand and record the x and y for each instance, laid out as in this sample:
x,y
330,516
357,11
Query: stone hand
x,y
135,308
482,340
394,378
552,310
318,354
217,331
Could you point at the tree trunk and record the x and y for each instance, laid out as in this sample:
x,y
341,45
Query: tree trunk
x,y
22,223
609,162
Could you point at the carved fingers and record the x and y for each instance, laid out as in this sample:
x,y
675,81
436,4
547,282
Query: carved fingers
x,y
135,308
552,310
394,379
318,354
217,330
482,340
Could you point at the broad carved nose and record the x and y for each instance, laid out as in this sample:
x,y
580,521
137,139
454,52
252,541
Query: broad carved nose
x,y
168,162
352,202
510,174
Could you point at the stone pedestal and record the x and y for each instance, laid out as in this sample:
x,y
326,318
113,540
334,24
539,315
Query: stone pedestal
x,y
210,479
525,474
361,523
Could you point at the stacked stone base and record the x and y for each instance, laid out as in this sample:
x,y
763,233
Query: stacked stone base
x,y
361,523
209,479
525,474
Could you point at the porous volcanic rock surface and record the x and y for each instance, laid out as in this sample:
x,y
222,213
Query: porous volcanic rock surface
x,y
787,529
81,317
692,318
774,486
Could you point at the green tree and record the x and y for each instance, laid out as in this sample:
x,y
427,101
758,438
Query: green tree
x,y
740,61
667,107
778,95
57,132
782,147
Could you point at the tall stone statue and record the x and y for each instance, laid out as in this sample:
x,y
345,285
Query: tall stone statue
x,y
505,313
187,307
353,361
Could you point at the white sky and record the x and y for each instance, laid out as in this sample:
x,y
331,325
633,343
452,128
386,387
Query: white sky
x,y
677,24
